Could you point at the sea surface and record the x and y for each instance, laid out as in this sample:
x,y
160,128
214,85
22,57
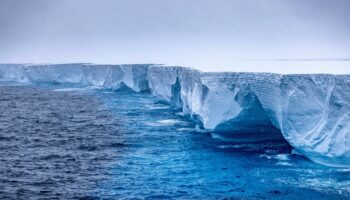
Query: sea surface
x,y
60,142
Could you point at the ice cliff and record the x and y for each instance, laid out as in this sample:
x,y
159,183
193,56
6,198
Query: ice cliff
x,y
311,111
104,76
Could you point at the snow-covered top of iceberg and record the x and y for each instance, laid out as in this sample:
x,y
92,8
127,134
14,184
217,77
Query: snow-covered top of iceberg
x,y
341,66
282,66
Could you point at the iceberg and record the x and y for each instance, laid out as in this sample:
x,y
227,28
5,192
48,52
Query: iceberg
x,y
105,76
310,111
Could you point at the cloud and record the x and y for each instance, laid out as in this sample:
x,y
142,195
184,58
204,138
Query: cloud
x,y
193,32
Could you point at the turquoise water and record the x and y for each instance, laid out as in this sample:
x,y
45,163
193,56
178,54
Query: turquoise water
x,y
124,145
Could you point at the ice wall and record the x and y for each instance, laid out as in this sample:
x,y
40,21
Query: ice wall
x,y
104,76
312,112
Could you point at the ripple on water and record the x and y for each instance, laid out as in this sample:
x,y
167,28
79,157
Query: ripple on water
x,y
73,144
51,145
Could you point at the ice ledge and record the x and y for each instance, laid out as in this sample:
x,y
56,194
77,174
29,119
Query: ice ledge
x,y
312,111
280,66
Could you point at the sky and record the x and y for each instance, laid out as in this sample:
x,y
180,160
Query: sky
x,y
211,35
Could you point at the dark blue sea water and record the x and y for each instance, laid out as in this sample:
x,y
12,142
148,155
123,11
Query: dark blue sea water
x,y
95,144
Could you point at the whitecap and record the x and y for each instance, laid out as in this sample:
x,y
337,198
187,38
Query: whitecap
x,y
282,157
172,122
157,107
284,163
185,129
167,122
69,89
269,157
180,114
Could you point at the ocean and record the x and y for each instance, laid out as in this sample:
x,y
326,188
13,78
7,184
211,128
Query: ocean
x,y
63,142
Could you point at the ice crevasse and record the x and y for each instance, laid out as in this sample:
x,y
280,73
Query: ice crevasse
x,y
310,111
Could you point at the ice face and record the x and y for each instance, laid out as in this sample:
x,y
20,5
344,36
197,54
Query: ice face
x,y
104,76
13,72
65,73
96,76
311,112
315,117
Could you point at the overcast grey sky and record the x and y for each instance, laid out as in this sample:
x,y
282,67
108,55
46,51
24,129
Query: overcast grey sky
x,y
199,33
